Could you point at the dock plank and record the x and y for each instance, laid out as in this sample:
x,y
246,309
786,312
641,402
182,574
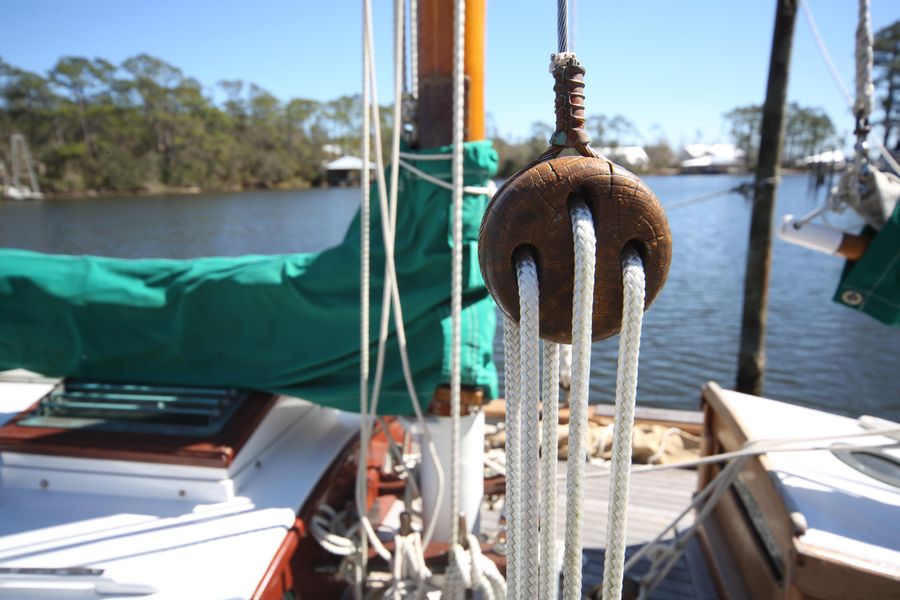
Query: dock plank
x,y
656,497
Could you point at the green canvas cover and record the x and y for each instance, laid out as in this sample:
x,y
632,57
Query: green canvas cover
x,y
872,284
286,324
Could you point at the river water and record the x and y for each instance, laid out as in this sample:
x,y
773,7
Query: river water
x,y
818,353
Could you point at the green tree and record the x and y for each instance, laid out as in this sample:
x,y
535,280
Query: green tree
x,y
886,50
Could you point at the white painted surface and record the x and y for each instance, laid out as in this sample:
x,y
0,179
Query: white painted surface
x,y
180,547
471,470
814,236
847,512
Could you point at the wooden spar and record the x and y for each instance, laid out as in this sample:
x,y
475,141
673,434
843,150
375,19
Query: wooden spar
x,y
752,356
434,114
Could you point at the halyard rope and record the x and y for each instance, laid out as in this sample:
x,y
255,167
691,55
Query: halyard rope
x,y
513,470
549,452
390,299
529,398
838,80
865,90
523,397
626,391
364,291
582,306
459,42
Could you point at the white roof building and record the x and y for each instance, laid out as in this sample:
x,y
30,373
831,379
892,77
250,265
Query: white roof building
x,y
829,157
347,163
634,156
710,157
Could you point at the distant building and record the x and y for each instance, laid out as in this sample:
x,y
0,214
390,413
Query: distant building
x,y
634,157
345,171
711,158
830,158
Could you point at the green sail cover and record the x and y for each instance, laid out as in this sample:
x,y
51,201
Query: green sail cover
x,y
287,324
872,284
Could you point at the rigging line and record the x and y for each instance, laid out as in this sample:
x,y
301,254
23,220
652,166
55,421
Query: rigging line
x,y
529,398
703,198
759,447
459,107
414,47
392,291
839,82
585,243
549,456
512,424
468,189
626,396
364,293
562,25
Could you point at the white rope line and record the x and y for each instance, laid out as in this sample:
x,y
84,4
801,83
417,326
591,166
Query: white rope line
x,y
468,569
414,48
459,108
549,457
415,156
529,398
865,89
364,292
512,424
839,82
391,299
468,189
626,393
765,446
583,300
408,569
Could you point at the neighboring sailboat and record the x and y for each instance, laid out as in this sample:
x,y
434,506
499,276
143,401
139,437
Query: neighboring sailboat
x,y
21,182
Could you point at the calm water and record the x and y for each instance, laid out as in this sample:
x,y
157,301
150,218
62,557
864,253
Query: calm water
x,y
819,353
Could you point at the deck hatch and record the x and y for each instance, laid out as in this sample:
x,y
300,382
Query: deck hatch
x,y
133,408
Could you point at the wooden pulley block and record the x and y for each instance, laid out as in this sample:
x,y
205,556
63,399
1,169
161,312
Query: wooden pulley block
x,y
531,212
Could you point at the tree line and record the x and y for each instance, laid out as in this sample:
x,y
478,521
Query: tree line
x,y
145,125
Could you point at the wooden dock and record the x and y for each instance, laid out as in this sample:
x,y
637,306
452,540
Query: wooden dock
x,y
656,498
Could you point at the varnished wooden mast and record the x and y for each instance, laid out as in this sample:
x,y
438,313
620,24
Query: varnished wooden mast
x,y
434,111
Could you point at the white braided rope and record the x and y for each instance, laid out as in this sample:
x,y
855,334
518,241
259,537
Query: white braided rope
x,y
865,89
459,41
512,425
364,292
838,80
626,392
468,189
390,302
414,48
582,306
549,456
469,569
408,569
529,398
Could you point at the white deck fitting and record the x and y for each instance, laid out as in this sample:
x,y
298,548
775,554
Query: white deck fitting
x,y
129,519
848,513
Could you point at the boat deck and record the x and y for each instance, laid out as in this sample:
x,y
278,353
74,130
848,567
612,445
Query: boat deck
x,y
656,498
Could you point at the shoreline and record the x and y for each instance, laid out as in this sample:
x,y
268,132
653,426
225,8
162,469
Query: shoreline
x,y
235,189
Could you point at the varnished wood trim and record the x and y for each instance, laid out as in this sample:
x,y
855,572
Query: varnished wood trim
x,y
218,450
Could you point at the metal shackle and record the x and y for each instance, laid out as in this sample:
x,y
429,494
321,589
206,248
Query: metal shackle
x,y
531,211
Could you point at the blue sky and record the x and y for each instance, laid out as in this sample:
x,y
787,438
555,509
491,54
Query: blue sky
x,y
672,67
